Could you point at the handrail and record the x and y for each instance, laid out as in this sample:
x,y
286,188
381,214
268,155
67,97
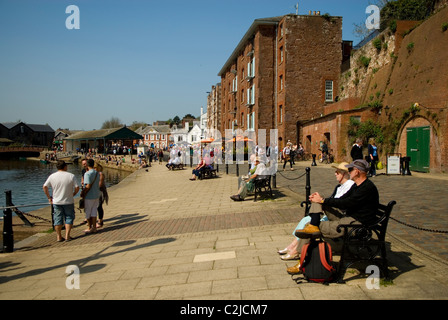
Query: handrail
x,y
25,206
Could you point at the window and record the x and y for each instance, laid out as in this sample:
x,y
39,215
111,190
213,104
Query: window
x,y
251,69
281,83
280,114
328,91
251,95
281,54
242,119
251,121
235,84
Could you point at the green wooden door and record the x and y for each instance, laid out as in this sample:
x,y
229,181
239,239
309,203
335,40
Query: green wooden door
x,y
418,148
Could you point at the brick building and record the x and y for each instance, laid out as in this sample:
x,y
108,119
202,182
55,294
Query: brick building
x,y
156,136
398,81
283,71
214,110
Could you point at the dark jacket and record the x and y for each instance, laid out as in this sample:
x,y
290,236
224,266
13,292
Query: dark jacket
x,y
361,203
356,152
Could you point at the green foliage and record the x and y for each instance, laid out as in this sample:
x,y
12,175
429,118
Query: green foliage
x,y
365,130
410,46
375,105
405,10
377,43
444,26
364,61
393,25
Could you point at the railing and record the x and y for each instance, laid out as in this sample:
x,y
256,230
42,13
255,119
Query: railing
x,y
8,235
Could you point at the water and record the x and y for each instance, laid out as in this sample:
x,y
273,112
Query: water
x,y
26,178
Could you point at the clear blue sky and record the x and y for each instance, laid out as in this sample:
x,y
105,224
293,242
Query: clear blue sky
x,y
137,60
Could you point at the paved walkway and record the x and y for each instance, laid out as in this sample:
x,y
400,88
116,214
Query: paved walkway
x,y
166,237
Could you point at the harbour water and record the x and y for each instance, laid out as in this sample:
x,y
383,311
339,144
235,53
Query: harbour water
x,y
25,179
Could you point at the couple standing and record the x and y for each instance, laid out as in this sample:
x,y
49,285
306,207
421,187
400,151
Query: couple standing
x,y
64,187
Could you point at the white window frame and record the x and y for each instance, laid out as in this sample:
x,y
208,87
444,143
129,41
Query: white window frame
x,y
329,91
251,69
251,96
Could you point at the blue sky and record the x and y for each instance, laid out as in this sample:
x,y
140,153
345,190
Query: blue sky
x,y
137,60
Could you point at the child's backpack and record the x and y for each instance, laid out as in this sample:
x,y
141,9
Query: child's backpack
x,y
316,262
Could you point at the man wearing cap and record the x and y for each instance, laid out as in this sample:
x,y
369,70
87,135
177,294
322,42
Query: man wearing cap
x,y
361,205
64,188
248,186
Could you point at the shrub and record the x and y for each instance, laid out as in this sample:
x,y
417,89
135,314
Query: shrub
x,y
364,61
377,44
444,26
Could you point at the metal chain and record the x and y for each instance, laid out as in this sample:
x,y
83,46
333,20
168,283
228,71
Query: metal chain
x,y
416,227
291,178
30,215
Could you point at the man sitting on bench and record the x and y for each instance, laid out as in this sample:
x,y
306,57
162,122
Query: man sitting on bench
x,y
361,205
173,163
248,186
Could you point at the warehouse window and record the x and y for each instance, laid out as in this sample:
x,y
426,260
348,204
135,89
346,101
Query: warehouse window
x,y
328,90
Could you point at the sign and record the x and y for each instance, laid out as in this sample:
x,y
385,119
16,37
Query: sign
x,y
393,163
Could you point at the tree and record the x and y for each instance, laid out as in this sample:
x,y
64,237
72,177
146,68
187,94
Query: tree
x,y
406,10
137,124
113,122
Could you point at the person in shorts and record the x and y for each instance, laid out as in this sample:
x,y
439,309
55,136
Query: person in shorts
x,y
91,194
64,188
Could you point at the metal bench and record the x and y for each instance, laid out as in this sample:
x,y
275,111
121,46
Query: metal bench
x,y
262,185
207,172
365,243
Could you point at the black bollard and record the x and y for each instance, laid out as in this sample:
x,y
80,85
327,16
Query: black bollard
x,y
307,192
407,172
308,189
313,164
237,170
8,234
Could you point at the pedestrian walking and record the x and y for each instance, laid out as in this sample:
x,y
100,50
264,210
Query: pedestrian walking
x,y
64,188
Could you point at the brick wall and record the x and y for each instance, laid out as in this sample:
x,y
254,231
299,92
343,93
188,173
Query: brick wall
x,y
312,55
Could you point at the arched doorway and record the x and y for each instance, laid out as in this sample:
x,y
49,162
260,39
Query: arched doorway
x,y
419,141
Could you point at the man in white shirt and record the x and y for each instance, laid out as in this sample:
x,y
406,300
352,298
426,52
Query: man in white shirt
x,y
64,188
248,186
